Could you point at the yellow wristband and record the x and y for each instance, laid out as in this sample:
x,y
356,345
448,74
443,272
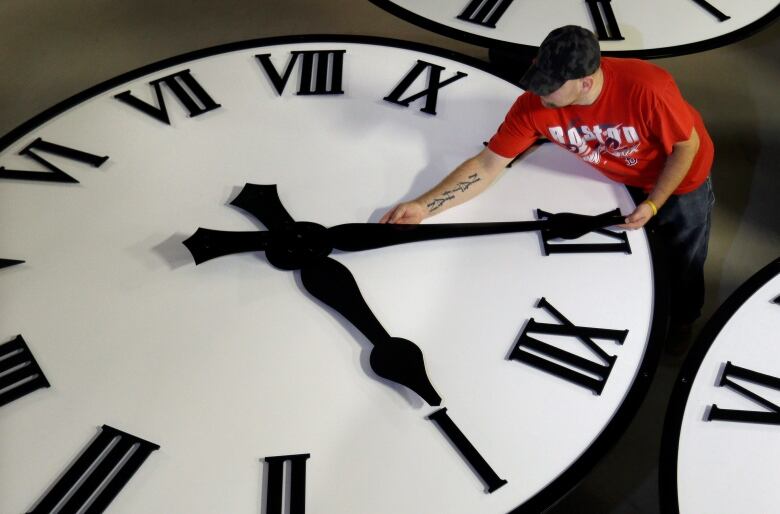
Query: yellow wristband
x,y
652,206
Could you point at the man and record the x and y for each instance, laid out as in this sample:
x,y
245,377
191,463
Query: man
x,y
626,118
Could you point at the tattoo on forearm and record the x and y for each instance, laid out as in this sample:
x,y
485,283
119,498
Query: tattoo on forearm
x,y
446,196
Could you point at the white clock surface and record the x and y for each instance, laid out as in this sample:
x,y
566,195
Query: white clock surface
x,y
721,444
229,362
628,27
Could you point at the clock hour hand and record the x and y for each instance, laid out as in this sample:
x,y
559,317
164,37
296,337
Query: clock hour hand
x,y
366,236
393,358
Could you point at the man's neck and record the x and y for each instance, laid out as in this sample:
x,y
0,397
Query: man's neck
x,y
590,97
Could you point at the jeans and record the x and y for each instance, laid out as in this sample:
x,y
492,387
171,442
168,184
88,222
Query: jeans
x,y
683,224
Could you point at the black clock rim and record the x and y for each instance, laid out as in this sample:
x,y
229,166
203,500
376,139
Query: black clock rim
x,y
571,476
530,50
670,440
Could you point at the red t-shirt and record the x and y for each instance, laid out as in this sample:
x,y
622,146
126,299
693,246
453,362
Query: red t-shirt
x,y
626,134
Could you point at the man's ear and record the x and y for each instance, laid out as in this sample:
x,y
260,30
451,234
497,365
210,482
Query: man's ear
x,y
587,83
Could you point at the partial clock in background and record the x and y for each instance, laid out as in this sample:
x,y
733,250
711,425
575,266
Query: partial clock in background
x,y
176,388
722,429
626,28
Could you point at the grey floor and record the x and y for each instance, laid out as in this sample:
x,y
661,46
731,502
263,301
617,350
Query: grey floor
x,y
51,50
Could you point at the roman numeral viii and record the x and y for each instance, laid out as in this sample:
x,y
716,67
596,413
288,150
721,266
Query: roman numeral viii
x,y
19,372
746,416
550,247
591,375
183,86
321,71
431,92
485,12
54,174
97,476
297,484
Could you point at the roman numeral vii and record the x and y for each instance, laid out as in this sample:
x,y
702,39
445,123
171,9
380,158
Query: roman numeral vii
x,y
183,86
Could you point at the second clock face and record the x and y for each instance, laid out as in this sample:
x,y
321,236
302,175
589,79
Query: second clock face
x,y
625,27
232,362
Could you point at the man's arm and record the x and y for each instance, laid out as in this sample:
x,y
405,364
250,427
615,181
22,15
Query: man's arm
x,y
464,183
678,163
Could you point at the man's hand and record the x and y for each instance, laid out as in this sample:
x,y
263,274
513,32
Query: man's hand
x,y
639,217
405,213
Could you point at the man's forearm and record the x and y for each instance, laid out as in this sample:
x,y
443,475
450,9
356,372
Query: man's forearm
x,y
464,183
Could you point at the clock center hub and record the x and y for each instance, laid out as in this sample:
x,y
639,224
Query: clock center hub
x,y
298,244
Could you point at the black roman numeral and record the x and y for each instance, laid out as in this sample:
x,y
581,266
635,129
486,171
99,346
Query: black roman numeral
x,y
467,450
184,87
297,483
431,92
604,19
54,174
97,476
747,416
597,374
713,10
321,71
485,12
550,247
5,263
19,372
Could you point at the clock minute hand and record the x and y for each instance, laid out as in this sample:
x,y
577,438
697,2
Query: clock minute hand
x,y
366,236
393,358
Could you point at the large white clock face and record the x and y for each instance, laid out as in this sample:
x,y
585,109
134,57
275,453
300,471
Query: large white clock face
x,y
722,432
625,27
225,364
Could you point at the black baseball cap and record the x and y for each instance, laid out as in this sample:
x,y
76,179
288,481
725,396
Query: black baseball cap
x,y
569,52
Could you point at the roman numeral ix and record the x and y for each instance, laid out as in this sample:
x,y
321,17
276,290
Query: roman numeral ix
x,y
96,477
484,12
54,174
550,247
746,416
431,92
593,375
321,71
297,484
19,372
183,86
